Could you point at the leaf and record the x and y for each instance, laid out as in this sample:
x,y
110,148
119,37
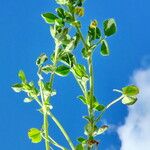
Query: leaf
x,y
68,58
22,76
129,100
17,87
81,139
41,59
49,18
28,100
60,12
131,90
34,135
109,27
70,46
79,147
48,69
62,2
101,130
98,107
104,48
62,70
82,98
80,70
94,33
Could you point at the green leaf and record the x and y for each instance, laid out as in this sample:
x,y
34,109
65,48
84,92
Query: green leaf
x,y
94,33
110,27
48,69
79,147
17,87
81,140
22,76
131,90
68,58
62,70
82,98
104,48
34,135
129,100
60,12
41,59
101,130
49,18
80,70
98,106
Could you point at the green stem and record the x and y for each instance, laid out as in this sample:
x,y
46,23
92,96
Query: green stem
x,y
108,106
62,130
45,118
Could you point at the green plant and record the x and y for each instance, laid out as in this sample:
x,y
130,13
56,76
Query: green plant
x,y
63,61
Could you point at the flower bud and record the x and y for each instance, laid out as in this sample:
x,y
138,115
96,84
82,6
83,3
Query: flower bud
x,y
94,24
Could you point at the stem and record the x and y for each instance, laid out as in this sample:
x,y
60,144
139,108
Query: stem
x,y
62,130
53,142
108,106
45,118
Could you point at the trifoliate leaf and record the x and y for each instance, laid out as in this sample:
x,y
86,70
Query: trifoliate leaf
x,y
109,27
34,135
104,48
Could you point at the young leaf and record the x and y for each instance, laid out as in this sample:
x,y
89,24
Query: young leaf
x,y
131,90
109,27
49,18
62,70
41,59
104,48
129,100
100,130
34,135
22,76
17,87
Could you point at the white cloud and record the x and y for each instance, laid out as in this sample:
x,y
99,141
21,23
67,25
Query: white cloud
x,y
135,133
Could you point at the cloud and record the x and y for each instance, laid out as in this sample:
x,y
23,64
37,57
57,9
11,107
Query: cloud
x,y
135,133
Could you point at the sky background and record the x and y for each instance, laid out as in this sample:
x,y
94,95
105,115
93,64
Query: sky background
x,y
24,36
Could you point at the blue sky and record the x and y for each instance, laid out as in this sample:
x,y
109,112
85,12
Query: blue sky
x,y
24,36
